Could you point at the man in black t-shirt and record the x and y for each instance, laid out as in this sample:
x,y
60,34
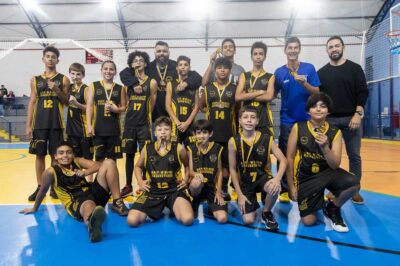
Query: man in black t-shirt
x,y
344,81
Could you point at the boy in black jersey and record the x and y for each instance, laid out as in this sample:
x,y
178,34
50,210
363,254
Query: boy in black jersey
x,y
218,102
314,154
205,171
163,184
76,120
249,154
106,101
256,88
45,123
82,200
182,105
138,123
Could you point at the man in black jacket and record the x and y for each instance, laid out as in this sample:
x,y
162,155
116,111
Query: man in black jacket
x,y
162,69
344,81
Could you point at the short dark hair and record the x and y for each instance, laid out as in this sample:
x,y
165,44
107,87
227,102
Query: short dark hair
x,y
64,143
228,40
163,120
248,108
202,124
259,45
109,61
183,58
316,97
51,49
292,40
161,43
77,67
136,53
335,37
223,61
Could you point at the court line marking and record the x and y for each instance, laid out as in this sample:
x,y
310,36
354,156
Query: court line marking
x,y
382,250
22,156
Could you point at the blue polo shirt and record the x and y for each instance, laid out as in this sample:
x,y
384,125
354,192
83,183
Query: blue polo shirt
x,y
294,95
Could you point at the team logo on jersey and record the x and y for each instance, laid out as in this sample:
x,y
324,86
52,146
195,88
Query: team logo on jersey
x,y
303,205
115,93
260,150
213,158
229,94
195,159
304,140
57,83
171,158
40,84
264,82
144,88
212,93
99,91
315,168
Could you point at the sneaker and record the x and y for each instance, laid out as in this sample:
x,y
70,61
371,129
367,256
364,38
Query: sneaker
x,y
268,219
332,212
126,191
53,193
32,197
284,197
96,220
119,207
357,199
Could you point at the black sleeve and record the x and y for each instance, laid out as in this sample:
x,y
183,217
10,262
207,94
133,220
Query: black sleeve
x,y
127,77
361,86
321,78
194,80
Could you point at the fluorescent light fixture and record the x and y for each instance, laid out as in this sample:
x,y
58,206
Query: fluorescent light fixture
x,y
199,9
303,5
109,3
30,5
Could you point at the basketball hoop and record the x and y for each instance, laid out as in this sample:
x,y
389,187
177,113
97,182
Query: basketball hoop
x,y
394,38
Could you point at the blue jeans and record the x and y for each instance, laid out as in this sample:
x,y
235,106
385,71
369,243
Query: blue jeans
x,y
283,140
352,141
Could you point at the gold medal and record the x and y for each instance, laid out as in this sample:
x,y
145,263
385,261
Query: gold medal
x,y
162,75
162,83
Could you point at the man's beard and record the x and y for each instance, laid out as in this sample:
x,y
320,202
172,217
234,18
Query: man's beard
x,y
336,56
162,61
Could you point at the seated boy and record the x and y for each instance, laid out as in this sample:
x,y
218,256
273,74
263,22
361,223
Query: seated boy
x,y
82,200
206,171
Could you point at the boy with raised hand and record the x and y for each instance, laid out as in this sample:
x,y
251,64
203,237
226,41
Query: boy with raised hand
x,y
205,171
314,154
82,200
249,154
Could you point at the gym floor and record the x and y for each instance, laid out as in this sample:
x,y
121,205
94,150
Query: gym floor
x,y
51,237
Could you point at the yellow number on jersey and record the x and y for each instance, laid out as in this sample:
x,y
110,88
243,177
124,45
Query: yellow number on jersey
x,y
162,185
48,104
219,115
253,176
183,110
137,106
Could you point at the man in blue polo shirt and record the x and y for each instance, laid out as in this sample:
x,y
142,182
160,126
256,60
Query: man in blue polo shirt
x,y
296,81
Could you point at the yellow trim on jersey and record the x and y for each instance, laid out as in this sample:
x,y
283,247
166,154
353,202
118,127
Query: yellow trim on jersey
x,y
190,150
234,143
325,126
209,147
44,76
61,114
178,153
257,138
167,150
144,80
336,135
220,152
145,155
36,103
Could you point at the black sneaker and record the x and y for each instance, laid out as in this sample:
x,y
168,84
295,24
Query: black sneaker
x,y
268,219
32,197
96,220
126,191
53,193
119,207
332,212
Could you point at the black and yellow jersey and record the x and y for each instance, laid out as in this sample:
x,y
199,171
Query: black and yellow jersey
x,y
182,101
69,187
221,110
48,111
206,162
252,157
256,83
309,159
106,123
163,170
76,118
138,113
